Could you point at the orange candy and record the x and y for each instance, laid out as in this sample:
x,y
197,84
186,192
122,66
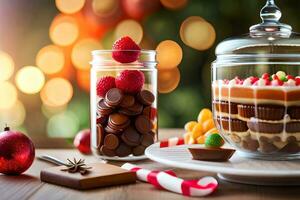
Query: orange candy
x,y
197,131
201,139
208,124
190,125
204,115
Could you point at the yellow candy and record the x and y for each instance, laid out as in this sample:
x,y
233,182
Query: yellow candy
x,y
191,141
187,137
197,131
201,139
204,115
213,130
208,124
190,125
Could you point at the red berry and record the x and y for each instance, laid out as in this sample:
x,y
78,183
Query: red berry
x,y
275,77
290,77
104,84
268,82
253,79
297,81
276,82
82,141
265,76
125,50
130,81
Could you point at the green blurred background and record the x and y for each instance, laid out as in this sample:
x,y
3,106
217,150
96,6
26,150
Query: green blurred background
x,y
24,30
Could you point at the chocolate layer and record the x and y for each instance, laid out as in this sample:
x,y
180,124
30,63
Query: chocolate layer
x,y
232,124
294,112
263,127
266,112
223,106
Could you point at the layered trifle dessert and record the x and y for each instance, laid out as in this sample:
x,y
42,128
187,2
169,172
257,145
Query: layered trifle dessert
x,y
259,114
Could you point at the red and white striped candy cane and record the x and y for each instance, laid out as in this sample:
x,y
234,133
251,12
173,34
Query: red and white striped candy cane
x,y
169,181
174,141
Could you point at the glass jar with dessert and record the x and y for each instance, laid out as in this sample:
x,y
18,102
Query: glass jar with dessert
x,y
123,101
256,89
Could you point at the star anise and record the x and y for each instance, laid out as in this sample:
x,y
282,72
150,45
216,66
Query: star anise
x,y
77,166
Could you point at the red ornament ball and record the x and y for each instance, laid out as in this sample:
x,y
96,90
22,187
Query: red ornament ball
x,y
130,81
16,152
82,141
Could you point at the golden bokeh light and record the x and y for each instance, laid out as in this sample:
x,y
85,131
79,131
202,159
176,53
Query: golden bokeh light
x,y
104,7
174,4
129,28
8,95
13,116
64,30
50,59
81,52
6,66
30,79
49,111
197,33
57,92
69,6
168,80
83,79
169,54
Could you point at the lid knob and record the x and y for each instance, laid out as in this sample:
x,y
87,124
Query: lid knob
x,y
270,12
270,15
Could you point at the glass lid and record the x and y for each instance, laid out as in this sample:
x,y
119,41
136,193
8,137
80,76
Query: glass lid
x,y
269,39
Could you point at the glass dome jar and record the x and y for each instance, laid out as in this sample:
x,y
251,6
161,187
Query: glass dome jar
x,y
123,104
256,89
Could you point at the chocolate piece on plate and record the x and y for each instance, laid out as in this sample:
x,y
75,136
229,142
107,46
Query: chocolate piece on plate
x,y
211,154
103,109
107,152
266,112
131,137
263,127
235,124
138,151
100,175
224,107
143,124
145,97
111,141
123,150
294,112
127,101
100,135
113,97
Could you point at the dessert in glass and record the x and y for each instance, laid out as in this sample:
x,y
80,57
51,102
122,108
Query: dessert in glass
x,y
123,101
256,89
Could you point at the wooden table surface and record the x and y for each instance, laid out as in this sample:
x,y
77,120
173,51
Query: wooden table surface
x,y
29,186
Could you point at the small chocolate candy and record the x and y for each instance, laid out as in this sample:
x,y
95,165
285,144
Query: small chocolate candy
x,y
266,147
211,154
104,109
250,144
138,151
134,110
127,101
145,97
131,137
143,124
100,135
123,150
108,129
107,152
113,97
149,112
291,147
102,119
147,139
118,119
111,141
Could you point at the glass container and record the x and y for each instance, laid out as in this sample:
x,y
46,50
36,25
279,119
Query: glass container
x,y
123,104
256,89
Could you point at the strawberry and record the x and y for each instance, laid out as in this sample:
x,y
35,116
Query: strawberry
x,y
130,81
265,76
288,77
125,50
297,79
104,84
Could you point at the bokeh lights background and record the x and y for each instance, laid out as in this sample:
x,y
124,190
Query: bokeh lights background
x,y
45,52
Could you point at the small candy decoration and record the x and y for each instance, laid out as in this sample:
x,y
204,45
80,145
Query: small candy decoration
x,y
214,140
174,141
169,181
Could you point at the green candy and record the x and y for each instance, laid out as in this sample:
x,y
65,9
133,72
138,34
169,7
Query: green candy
x,y
214,140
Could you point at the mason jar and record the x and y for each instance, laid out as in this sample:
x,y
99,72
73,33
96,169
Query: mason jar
x,y
123,104
256,89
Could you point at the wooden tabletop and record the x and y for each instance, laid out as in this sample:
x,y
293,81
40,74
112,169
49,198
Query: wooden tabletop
x,y
29,186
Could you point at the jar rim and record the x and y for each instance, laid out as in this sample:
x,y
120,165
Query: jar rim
x,y
103,51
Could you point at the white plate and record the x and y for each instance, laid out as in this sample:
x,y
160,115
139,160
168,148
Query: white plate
x,y
127,158
237,169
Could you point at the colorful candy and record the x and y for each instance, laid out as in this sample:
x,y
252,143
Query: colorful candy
x,y
214,140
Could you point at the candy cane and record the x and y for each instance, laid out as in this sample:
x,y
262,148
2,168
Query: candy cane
x,y
169,181
174,141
